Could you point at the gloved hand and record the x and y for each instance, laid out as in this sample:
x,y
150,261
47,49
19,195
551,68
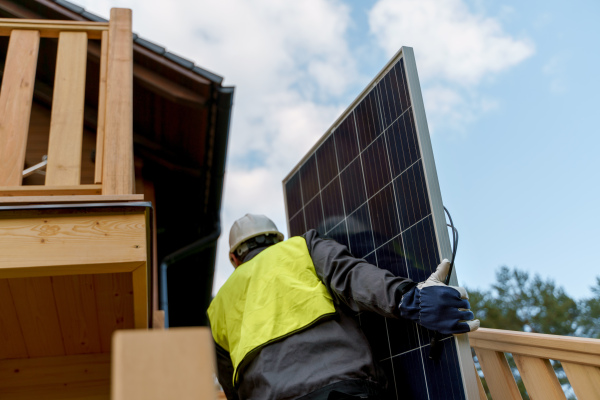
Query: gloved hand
x,y
439,307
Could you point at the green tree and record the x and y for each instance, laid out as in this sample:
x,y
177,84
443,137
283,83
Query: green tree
x,y
520,302
588,322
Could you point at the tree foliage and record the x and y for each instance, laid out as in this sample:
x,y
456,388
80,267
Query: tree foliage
x,y
520,302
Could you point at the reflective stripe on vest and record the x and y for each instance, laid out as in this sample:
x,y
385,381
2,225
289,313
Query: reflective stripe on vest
x,y
275,294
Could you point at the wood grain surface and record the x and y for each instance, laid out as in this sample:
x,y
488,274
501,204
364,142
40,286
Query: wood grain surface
x,y
118,174
66,124
71,241
15,104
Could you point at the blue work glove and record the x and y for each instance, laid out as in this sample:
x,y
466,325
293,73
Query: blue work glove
x,y
439,307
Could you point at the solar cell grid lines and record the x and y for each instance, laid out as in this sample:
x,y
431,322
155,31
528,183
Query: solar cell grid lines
x,y
370,183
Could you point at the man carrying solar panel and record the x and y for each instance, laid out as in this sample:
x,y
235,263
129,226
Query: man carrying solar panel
x,y
283,324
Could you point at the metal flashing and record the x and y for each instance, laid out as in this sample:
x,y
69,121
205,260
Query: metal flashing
x,y
208,75
70,6
184,62
150,45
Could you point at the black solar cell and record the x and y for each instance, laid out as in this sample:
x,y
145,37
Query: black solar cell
x,y
368,185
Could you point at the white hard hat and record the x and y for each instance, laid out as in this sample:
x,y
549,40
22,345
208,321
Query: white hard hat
x,y
249,226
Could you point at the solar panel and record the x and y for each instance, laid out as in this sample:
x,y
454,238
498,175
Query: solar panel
x,y
371,183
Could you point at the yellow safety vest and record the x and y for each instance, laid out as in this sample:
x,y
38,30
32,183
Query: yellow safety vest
x,y
274,295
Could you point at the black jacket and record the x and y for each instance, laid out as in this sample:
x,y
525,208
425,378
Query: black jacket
x,y
332,355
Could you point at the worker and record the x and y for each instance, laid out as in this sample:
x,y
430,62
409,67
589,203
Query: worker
x,y
283,322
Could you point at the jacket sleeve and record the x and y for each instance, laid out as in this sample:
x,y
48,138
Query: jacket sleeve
x,y
354,282
225,373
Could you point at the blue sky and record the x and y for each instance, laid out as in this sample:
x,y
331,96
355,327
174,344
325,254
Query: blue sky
x,y
511,93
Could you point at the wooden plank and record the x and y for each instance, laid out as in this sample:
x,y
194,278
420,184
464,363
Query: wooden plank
x,y
15,104
36,310
158,319
12,344
66,124
52,29
167,88
89,390
68,377
580,357
114,299
176,363
101,109
498,375
481,390
539,378
76,305
140,297
70,199
40,190
584,380
117,174
62,270
60,241
570,343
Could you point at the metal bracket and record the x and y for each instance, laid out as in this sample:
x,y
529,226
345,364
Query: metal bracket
x,y
37,168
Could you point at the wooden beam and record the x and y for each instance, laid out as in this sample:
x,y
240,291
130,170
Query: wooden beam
x,y
167,88
38,243
176,363
539,378
569,343
72,269
12,344
70,199
52,29
563,348
117,174
17,11
498,375
68,377
584,380
40,190
114,299
66,124
101,109
15,104
36,309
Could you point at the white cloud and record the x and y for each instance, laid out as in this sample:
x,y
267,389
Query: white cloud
x,y
554,70
456,50
453,108
451,43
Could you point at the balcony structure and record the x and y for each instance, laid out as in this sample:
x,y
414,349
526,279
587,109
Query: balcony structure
x,y
532,352
76,258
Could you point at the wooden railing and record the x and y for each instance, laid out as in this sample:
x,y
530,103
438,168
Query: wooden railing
x,y
532,352
114,171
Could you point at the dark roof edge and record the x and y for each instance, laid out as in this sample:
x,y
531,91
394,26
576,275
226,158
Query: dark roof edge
x,y
187,64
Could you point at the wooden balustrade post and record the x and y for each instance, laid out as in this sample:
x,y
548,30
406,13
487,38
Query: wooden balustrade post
x,y
539,378
117,165
66,124
584,379
16,97
498,375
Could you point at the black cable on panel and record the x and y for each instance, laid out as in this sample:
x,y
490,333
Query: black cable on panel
x,y
454,245
436,345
